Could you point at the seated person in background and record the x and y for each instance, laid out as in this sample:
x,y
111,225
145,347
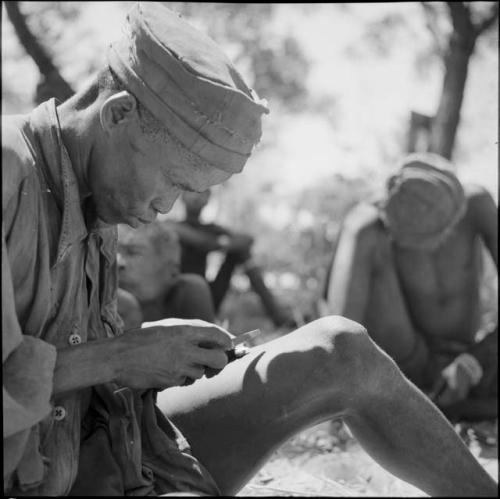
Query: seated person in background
x,y
408,268
149,270
129,309
199,239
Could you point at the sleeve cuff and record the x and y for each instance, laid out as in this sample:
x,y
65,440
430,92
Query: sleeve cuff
x,y
27,384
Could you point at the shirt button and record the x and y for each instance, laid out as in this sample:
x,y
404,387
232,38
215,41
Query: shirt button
x,y
74,339
59,413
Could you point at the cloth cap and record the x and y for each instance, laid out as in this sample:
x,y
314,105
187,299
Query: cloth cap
x,y
182,77
425,201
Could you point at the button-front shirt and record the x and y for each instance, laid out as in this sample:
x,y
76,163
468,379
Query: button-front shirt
x,y
59,284
51,296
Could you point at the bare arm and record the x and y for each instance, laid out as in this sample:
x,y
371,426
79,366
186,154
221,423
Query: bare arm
x,y
160,356
215,238
198,237
349,282
85,365
485,216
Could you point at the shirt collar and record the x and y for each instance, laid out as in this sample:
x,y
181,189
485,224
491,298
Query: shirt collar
x,y
61,179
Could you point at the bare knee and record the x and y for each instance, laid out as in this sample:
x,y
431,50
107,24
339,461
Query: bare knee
x,y
192,281
354,365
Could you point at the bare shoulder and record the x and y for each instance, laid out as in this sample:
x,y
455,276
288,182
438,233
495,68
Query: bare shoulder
x,y
480,202
476,191
363,220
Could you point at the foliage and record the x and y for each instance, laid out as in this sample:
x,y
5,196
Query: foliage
x,y
294,244
294,230
273,62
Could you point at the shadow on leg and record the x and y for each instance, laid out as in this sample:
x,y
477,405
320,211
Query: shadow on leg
x,y
326,369
235,420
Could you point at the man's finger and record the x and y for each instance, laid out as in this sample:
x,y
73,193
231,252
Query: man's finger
x,y
211,358
212,337
194,371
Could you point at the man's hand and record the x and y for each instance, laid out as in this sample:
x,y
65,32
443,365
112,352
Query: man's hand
x,y
456,380
171,352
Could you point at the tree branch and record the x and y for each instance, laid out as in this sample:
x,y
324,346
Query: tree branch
x,y
486,23
430,21
460,16
35,49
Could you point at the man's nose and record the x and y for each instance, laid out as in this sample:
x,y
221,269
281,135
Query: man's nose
x,y
163,204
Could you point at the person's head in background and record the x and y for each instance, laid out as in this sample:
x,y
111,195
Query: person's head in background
x,y
194,203
148,260
424,202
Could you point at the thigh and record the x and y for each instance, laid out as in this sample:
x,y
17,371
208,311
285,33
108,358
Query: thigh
x,y
235,420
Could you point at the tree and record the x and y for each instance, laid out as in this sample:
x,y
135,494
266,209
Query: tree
x,y
51,83
274,63
468,24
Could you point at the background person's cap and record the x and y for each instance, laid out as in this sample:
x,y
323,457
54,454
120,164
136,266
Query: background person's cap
x,y
184,79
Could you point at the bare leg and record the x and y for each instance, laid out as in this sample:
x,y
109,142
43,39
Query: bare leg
x,y
220,285
277,314
190,298
328,368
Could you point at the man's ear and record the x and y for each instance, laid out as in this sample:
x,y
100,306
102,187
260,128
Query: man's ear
x,y
391,180
117,110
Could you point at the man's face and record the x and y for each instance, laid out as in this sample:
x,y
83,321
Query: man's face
x,y
419,216
143,269
133,178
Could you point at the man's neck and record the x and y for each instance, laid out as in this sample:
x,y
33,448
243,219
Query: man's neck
x,y
77,136
193,218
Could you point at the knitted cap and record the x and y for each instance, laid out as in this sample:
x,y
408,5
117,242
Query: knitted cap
x,y
425,200
182,77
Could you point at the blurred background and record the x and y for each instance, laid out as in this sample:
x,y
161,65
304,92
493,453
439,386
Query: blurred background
x,y
351,88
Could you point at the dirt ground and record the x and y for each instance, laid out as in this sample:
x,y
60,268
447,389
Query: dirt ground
x,y
326,461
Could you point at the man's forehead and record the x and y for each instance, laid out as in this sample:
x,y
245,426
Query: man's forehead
x,y
195,178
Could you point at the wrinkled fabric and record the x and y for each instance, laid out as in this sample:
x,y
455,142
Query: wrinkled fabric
x,y
425,200
184,79
59,278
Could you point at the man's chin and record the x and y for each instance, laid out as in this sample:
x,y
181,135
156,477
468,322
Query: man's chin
x,y
118,218
130,220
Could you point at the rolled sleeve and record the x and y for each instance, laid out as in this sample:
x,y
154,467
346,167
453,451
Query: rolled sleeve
x,y
28,367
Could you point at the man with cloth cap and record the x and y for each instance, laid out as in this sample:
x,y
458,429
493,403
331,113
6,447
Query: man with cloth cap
x,y
409,268
168,113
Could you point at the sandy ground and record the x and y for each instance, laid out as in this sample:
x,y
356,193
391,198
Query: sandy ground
x,y
326,461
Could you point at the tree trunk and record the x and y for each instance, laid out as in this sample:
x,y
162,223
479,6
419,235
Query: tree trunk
x,y
445,123
419,132
51,83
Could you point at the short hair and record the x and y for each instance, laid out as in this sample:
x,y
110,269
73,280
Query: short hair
x,y
150,126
